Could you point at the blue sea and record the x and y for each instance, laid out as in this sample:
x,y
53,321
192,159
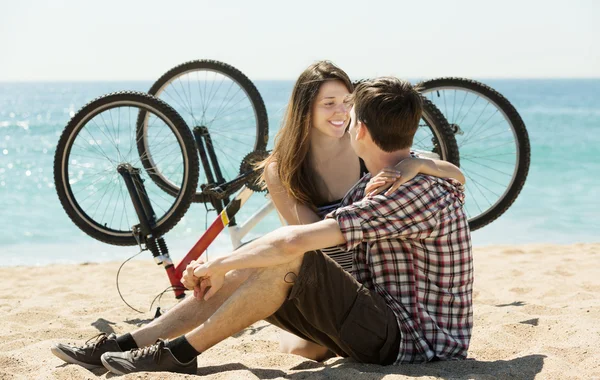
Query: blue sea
x,y
559,203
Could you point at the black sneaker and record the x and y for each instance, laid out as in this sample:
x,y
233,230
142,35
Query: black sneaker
x,y
154,358
89,354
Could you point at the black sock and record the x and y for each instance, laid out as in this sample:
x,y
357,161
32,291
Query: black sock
x,y
182,349
126,342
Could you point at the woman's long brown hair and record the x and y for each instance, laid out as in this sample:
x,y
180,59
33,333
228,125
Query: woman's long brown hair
x,y
292,142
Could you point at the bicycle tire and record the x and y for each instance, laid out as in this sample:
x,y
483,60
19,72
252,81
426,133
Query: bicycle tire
x,y
190,104
71,142
444,144
434,90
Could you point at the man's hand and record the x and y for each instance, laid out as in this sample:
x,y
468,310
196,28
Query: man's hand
x,y
190,281
211,279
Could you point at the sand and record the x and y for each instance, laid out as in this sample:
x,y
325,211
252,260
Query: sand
x,y
537,315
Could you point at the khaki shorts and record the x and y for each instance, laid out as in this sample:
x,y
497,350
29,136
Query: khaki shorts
x,y
326,305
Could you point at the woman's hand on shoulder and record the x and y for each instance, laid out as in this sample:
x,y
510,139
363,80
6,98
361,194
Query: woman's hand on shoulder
x,y
391,178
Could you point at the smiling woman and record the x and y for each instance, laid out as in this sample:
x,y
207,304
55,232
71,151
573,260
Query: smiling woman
x,y
330,110
293,142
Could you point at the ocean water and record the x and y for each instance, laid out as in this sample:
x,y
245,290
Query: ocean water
x,y
559,203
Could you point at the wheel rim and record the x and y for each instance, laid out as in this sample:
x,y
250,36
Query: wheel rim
x,y
488,145
210,98
105,138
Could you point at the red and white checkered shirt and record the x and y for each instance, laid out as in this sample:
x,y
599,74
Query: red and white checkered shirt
x,y
413,248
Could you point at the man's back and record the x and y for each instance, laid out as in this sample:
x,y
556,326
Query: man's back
x,y
413,248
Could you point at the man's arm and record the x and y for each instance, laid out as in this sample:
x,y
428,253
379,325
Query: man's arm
x,y
279,247
412,212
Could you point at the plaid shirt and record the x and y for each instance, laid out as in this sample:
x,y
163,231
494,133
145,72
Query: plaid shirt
x,y
414,249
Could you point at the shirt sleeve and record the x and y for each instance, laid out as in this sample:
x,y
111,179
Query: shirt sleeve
x,y
409,213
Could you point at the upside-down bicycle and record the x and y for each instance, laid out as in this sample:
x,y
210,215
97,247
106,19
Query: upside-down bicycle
x,y
127,164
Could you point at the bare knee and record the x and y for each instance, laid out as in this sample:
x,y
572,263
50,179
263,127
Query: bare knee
x,y
317,353
291,344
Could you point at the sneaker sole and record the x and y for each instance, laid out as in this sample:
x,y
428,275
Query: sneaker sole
x,y
111,368
61,355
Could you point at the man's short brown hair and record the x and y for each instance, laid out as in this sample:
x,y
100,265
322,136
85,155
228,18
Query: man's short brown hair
x,y
390,108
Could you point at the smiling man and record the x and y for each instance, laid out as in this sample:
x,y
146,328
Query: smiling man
x,y
410,299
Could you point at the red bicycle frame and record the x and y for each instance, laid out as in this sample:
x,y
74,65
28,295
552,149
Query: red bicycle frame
x,y
221,221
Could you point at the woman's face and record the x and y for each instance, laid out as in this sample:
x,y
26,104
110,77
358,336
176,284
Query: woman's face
x,y
329,113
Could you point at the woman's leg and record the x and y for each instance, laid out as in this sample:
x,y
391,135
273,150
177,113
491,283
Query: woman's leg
x,y
292,344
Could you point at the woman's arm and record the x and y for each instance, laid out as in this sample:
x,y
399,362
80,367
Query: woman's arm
x,y
392,178
292,211
437,168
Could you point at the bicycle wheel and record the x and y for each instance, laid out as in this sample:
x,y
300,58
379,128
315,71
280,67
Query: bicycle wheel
x,y
103,135
493,143
219,97
434,137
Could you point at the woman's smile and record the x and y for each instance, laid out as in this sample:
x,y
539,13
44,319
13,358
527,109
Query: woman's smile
x,y
338,123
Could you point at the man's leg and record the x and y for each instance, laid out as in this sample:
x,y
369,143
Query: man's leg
x,y
329,307
261,295
189,313
254,300
326,305
182,318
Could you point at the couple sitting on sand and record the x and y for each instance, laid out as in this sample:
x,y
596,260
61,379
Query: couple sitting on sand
x,y
395,285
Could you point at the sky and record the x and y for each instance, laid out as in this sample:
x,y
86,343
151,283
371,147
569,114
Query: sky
x,y
69,40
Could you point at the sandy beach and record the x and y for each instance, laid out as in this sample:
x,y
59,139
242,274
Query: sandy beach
x,y
537,315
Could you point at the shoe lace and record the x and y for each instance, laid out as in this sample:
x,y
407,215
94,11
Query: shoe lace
x,y
154,350
99,340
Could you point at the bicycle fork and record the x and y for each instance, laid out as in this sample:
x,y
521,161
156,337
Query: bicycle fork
x,y
144,232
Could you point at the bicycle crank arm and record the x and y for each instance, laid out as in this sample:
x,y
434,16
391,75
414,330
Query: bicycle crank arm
x,y
224,190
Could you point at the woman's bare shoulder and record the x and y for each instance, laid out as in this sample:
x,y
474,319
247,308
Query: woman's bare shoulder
x,y
271,170
271,175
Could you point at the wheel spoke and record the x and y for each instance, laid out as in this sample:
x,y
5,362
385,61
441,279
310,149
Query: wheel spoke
x,y
490,168
483,138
